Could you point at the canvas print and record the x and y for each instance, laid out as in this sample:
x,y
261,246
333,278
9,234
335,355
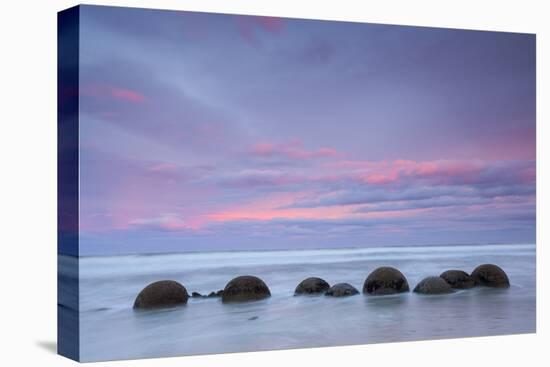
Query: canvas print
x,y
233,183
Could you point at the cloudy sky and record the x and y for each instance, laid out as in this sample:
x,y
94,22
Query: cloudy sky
x,y
222,132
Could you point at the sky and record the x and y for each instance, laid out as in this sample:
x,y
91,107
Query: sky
x,y
224,132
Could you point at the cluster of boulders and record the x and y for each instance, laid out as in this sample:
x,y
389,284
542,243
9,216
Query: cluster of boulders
x,y
487,275
382,281
169,293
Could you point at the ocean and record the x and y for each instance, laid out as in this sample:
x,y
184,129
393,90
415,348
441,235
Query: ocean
x,y
111,329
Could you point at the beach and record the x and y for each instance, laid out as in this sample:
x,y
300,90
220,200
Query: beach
x,y
111,329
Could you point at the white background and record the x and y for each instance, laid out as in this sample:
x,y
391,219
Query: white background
x,y
28,181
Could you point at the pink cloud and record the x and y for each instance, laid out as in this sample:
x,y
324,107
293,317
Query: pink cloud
x,y
380,178
170,222
442,171
127,94
248,26
251,178
507,143
276,207
528,175
271,24
292,150
101,90
271,207
387,172
328,152
256,212
352,165
162,167
139,196
437,172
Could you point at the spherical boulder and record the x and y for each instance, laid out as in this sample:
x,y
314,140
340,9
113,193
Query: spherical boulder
x,y
433,285
341,290
385,280
245,288
490,275
161,294
458,279
312,285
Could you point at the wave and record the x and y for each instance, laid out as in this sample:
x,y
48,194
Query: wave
x,y
133,265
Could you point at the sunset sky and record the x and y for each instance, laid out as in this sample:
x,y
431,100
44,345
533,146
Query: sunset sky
x,y
223,132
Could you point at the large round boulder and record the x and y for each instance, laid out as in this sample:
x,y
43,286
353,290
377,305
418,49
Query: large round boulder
x,y
458,279
312,285
245,288
385,280
490,275
341,290
433,285
161,294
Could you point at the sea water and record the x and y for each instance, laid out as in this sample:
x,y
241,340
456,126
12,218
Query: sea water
x,y
111,329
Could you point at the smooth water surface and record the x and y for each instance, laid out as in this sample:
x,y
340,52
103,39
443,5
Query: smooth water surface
x,y
111,329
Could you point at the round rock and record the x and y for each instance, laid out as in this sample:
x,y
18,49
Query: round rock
x,y
312,285
164,293
458,279
490,275
341,290
385,280
245,288
433,285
